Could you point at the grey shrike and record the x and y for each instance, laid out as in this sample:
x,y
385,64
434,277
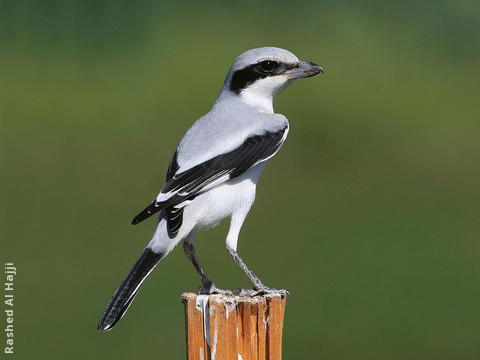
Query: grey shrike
x,y
214,171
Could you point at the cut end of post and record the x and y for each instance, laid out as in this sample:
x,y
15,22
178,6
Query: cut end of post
x,y
224,327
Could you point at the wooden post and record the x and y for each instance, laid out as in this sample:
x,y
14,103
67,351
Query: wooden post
x,y
220,327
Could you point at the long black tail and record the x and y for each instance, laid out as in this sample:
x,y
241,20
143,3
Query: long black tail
x,y
127,290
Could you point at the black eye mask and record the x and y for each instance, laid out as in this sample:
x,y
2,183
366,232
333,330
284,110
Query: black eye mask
x,y
241,79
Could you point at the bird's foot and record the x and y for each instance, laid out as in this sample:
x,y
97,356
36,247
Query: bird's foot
x,y
264,290
211,289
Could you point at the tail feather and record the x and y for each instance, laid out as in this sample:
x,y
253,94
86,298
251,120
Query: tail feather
x,y
127,290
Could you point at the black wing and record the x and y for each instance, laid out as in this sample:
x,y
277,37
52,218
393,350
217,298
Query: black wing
x,y
188,184
174,216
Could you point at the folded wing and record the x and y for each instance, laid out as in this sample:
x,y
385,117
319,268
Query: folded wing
x,y
182,187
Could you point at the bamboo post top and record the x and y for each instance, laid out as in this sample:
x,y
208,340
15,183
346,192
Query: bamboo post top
x,y
222,327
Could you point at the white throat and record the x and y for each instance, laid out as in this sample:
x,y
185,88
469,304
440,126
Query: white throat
x,y
262,102
261,93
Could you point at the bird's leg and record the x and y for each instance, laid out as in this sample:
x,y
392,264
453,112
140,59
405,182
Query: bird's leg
x,y
259,288
208,287
257,283
190,252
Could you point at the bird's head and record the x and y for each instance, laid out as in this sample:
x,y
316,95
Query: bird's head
x,y
258,75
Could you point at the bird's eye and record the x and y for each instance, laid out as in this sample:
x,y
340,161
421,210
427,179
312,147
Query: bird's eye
x,y
268,66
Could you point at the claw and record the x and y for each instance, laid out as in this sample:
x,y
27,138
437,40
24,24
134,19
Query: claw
x,y
211,289
261,291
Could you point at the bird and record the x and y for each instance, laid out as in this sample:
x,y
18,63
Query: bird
x,y
215,169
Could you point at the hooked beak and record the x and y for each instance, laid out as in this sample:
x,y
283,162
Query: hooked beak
x,y
304,69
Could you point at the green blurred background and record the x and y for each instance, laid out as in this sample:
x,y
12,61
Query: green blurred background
x,y
369,214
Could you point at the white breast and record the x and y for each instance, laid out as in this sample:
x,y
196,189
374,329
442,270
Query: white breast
x,y
210,208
